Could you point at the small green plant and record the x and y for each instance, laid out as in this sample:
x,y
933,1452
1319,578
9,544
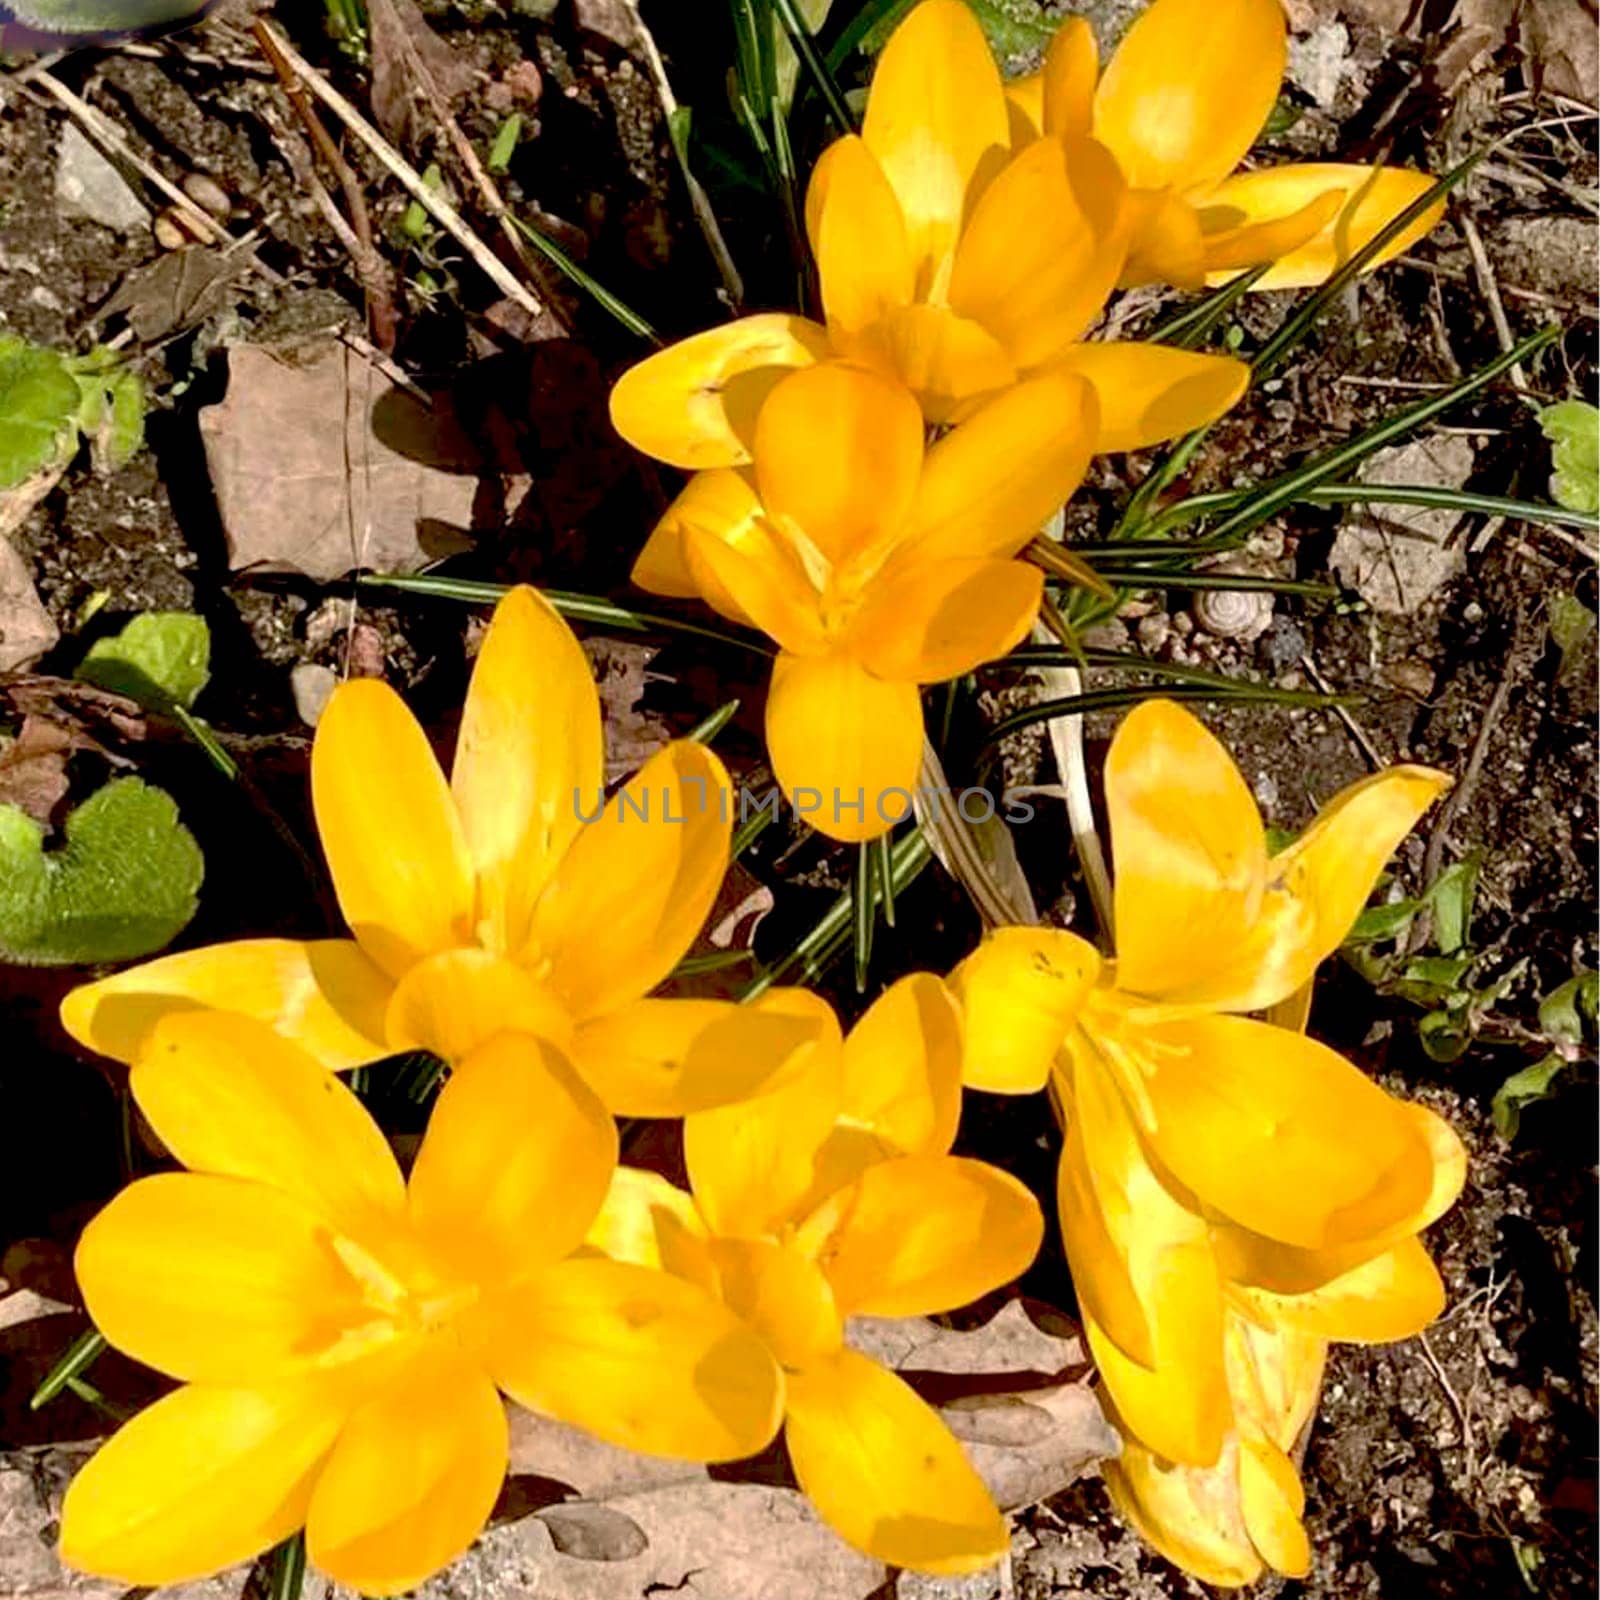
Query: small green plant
x,y
49,401
162,659
1566,1020
1573,429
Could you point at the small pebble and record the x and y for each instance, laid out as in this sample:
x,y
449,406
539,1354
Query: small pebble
x,y
1282,645
1182,622
1472,613
169,235
208,194
312,685
1153,631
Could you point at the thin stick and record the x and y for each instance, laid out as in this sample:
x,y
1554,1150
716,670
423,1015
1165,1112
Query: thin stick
x,y
1514,290
699,200
434,204
1352,727
1490,289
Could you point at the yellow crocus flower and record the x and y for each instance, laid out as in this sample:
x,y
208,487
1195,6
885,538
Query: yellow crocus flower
x,y
876,565
1202,1146
508,898
833,1197
341,1332
946,262
1185,96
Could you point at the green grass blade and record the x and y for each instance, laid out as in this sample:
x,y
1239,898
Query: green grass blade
x,y
805,47
1188,327
76,1360
750,829
883,856
1463,500
712,961
704,731
873,16
865,905
286,1568
597,291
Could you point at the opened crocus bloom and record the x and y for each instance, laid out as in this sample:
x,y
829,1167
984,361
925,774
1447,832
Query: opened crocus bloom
x,y
946,263
341,1333
833,1197
1203,1147
1185,96
510,898
875,566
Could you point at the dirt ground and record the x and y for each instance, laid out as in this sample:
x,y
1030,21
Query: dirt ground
x,y
1458,1464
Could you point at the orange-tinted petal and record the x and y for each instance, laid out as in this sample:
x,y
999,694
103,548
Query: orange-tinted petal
x,y
758,581
457,1000
949,363
902,1067
722,501
1165,244
858,238
1150,393
1071,71
1233,241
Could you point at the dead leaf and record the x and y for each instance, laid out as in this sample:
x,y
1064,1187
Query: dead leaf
x,y
303,482
26,628
593,1533
632,736
1562,40
33,766
411,66
17,501
28,1305
177,290
88,711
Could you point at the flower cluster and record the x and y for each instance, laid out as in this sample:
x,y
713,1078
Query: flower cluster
x,y
1233,1196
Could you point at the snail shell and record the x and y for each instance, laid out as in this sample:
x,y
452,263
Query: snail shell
x,y
1242,614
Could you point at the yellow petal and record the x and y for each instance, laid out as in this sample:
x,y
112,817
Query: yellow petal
x,y
1020,991
858,237
1191,1515
845,746
949,363
412,1480
639,1359
1280,1133
775,1290
674,1058
389,828
1189,88
324,994
838,452
1025,109
215,1280
695,403
1071,71
201,1480
1233,241
1150,393
936,121
1273,1502
628,1224
1044,248
760,582
517,1159
1393,1296
923,1234
902,1067
1188,848
637,884
1376,196
722,501
459,999
1165,243
750,1164
885,1473
993,481
230,1098
925,621
528,759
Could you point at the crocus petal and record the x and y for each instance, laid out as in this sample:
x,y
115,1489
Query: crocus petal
x,y
1190,1514
324,994
674,1058
1273,1502
949,363
858,237
936,121
517,1159
922,1234
459,999
1165,243
902,1067
412,1480
204,1478
1025,109
1188,847
925,622
389,828
1376,196
637,884
992,482
1280,1133
1150,393
760,582
1393,1296
1234,243
750,1164
723,502
780,1294
215,1280
628,1224
846,747
230,1098
838,452
528,757
695,403
1020,991
1044,248
1189,88
885,1472
1071,71
637,1358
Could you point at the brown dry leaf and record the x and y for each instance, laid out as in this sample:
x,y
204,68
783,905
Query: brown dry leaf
x,y
304,482
177,290
33,766
26,628
1562,40
89,712
621,675
408,61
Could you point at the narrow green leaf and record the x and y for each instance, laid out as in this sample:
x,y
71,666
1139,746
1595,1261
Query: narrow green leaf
x,y
708,728
286,1568
883,854
799,30
75,1360
591,286
505,143
868,30
1525,1088
865,901
1451,897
